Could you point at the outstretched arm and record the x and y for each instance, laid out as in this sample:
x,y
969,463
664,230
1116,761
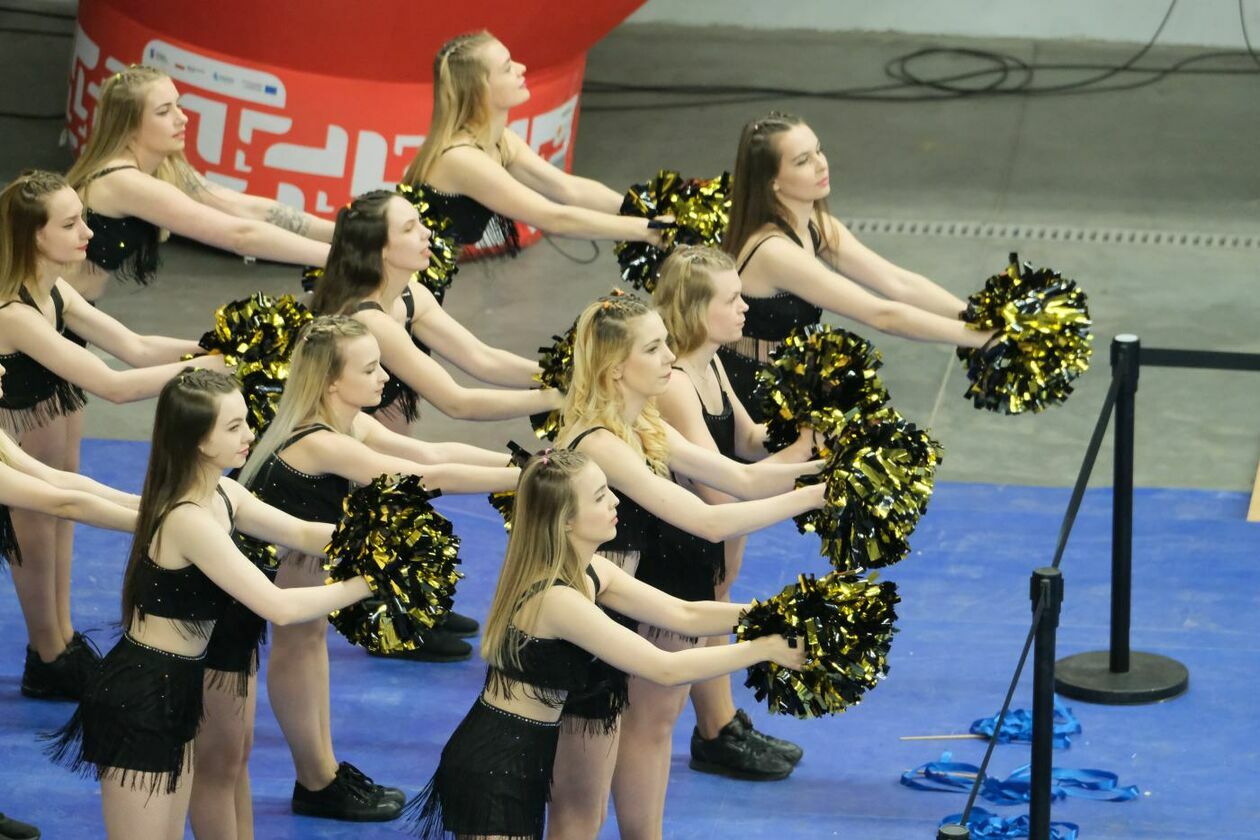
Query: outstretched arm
x,y
19,490
797,272
528,167
343,455
115,338
569,615
432,382
475,174
375,434
853,259
200,539
264,522
133,193
246,206
449,339
19,460
629,476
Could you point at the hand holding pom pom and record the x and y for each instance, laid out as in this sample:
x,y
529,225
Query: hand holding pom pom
x,y
256,335
879,477
1042,342
504,500
406,551
556,362
819,377
844,625
700,210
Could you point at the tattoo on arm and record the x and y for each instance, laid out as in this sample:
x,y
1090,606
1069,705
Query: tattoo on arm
x,y
289,218
192,182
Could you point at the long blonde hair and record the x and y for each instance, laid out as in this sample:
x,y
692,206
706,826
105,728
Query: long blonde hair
x,y
539,553
460,101
23,211
118,116
317,360
603,339
684,291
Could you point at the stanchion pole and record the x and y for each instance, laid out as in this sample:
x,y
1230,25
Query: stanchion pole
x,y
953,832
1046,587
1120,676
1125,351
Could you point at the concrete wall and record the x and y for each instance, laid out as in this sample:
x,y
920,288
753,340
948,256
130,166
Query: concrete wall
x,y
1212,23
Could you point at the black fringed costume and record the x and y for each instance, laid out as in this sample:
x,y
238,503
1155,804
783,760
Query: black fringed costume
x,y
494,777
766,323
127,247
33,394
142,708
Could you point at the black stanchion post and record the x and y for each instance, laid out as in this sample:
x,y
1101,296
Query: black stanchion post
x,y
1120,676
1047,586
953,832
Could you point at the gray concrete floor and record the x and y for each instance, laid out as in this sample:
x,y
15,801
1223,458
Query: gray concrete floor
x,y
1177,156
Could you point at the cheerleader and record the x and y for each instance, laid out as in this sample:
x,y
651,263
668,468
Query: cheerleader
x,y
698,298
543,637
136,184
134,728
378,245
42,236
621,364
318,444
29,484
480,178
795,259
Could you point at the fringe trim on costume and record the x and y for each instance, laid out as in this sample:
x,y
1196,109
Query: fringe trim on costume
x,y
141,267
10,551
599,712
235,683
65,399
427,814
65,748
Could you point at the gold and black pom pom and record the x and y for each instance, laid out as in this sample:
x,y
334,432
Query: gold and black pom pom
x,y
819,377
701,210
407,551
556,362
880,474
504,500
444,253
1042,344
257,335
845,624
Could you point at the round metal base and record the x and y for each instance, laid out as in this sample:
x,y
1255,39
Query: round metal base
x,y
953,832
1150,678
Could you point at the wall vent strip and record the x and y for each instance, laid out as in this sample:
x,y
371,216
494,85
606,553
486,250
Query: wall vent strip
x,y
1054,233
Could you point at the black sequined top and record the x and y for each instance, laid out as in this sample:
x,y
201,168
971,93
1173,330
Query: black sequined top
x,y
126,246
468,221
772,318
550,671
721,426
397,391
314,498
184,595
33,394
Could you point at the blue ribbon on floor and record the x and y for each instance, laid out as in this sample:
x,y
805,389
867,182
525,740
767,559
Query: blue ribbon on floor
x,y
1017,726
986,826
947,776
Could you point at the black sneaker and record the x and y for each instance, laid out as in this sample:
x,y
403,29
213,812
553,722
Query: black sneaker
x,y
735,753
786,749
56,680
343,800
11,829
363,780
459,625
436,646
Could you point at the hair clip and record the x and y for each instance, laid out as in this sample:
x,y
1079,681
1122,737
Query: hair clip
x,y
545,456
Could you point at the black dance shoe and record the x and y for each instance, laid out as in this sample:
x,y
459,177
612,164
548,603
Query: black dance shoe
x,y
786,749
357,777
343,799
11,829
57,680
459,625
737,754
435,646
